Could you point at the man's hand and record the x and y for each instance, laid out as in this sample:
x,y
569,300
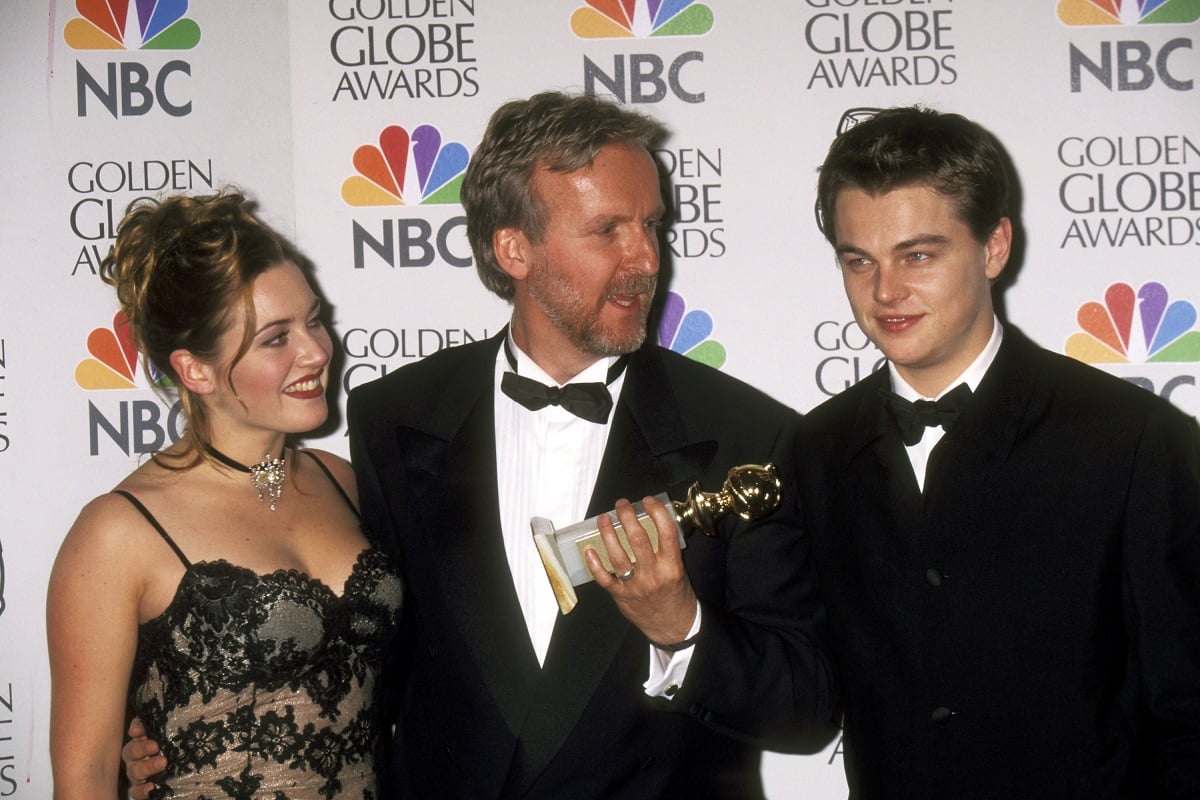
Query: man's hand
x,y
142,761
654,593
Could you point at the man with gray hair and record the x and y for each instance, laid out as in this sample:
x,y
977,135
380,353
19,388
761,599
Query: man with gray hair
x,y
672,670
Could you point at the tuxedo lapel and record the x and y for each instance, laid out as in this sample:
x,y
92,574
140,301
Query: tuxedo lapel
x,y
875,459
991,422
647,452
453,455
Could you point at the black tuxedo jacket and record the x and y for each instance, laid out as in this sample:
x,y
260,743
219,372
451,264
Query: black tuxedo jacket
x,y
477,716
1030,627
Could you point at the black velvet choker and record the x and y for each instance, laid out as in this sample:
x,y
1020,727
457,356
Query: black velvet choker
x,y
266,476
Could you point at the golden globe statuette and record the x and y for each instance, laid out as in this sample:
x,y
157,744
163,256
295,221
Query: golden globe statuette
x,y
751,491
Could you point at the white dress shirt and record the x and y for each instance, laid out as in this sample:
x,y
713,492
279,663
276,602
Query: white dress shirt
x,y
547,462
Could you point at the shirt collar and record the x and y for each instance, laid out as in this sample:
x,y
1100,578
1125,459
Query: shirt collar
x,y
597,372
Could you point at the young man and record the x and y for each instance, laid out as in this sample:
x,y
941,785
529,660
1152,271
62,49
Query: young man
x,y
1013,575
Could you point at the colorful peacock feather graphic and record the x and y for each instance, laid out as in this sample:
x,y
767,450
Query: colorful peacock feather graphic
x,y
686,332
113,361
406,169
1128,12
618,19
1142,326
131,25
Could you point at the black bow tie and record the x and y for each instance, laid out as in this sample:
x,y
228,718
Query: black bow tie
x,y
589,401
913,418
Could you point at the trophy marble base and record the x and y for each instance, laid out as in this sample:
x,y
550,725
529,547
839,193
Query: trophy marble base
x,y
562,549
750,491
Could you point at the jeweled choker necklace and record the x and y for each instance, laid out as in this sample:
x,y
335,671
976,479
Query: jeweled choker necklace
x,y
266,476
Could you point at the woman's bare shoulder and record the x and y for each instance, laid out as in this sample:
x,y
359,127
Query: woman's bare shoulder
x,y
341,470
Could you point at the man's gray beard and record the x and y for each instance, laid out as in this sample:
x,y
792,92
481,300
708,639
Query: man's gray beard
x,y
590,337
593,339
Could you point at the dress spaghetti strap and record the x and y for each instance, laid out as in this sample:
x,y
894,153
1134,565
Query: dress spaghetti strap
x,y
332,480
150,518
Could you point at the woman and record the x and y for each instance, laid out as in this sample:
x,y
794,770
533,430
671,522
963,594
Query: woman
x,y
227,575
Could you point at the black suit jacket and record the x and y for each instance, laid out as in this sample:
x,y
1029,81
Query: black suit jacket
x,y
1030,627
478,718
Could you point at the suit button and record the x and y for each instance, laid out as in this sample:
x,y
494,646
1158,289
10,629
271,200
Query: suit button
x,y
941,714
934,577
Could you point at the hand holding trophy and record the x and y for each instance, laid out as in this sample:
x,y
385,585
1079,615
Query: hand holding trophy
x,y
751,491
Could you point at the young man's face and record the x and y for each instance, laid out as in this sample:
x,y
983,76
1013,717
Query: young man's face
x,y
918,282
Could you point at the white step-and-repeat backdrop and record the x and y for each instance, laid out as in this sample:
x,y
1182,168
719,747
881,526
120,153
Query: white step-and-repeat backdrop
x,y
351,121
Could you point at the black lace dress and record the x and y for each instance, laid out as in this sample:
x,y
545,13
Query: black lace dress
x,y
263,686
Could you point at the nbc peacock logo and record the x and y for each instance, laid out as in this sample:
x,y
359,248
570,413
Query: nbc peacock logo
x,y
407,169
687,332
1128,12
113,361
1142,326
623,19
131,25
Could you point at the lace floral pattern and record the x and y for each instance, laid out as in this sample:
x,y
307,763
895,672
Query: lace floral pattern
x,y
262,686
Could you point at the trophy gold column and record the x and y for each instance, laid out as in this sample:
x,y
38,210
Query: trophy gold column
x,y
750,491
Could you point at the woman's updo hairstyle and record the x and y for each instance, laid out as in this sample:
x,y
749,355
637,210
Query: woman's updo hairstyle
x,y
182,267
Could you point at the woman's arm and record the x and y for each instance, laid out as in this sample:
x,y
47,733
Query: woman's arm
x,y
92,622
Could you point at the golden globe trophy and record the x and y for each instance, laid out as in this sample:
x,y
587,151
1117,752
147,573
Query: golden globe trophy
x,y
750,491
